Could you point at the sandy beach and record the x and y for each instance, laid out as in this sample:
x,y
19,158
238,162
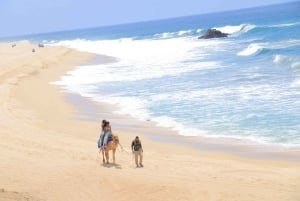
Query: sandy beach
x,y
48,150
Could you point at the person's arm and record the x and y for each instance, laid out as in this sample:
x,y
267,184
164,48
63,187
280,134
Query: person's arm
x,y
132,145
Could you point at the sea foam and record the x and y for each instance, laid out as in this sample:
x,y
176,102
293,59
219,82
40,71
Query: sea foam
x,y
236,30
251,50
256,48
159,58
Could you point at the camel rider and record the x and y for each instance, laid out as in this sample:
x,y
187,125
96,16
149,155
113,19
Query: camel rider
x,y
100,140
105,136
137,150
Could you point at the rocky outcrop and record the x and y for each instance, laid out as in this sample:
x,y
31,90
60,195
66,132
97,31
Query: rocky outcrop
x,y
213,33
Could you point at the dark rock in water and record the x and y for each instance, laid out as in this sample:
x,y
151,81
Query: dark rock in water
x,y
213,33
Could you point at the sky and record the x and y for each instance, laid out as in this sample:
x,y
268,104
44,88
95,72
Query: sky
x,y
20,17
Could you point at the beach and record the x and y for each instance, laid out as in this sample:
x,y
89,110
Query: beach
x,y
48,148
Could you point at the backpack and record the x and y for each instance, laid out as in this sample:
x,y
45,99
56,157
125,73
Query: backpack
x,y
137,145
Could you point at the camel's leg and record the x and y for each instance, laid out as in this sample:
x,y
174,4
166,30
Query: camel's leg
x,y
114,152
107,156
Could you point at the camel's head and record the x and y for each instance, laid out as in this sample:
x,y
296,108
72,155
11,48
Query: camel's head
x,y
116,139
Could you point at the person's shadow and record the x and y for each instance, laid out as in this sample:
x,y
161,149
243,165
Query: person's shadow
x,y
111,165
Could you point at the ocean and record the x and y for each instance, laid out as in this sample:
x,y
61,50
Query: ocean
x,y
245,86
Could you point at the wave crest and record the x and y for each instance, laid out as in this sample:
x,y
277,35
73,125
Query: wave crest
x,y
236,30
252,49
284,25
281,59
176,34
233,30
256,48
286,60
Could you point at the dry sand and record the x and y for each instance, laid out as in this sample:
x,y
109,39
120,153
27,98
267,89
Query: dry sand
x,y
48,153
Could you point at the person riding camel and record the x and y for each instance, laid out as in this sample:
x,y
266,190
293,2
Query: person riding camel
x,y
100,139
105,136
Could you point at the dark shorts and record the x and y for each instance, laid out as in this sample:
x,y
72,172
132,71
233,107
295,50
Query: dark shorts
x,y
109,139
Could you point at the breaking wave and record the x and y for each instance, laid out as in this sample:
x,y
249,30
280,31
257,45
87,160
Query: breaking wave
x,y
236,30
182,33
284,25
257,48
252,49
293,62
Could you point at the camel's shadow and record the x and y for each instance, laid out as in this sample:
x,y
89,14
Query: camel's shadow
x,y
111,165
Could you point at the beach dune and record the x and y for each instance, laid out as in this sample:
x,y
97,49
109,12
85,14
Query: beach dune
x,y
48,153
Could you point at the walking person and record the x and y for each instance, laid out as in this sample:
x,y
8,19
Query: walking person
x,y
137,150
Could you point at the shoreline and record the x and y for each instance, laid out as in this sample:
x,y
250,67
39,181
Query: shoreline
x,y
48,152
225,145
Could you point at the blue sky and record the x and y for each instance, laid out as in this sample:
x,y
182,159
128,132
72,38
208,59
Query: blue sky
x,y
19,17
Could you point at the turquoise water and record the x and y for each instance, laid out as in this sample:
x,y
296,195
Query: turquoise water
x,y
246,86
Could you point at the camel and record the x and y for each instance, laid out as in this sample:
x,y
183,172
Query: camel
x,y
112,145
